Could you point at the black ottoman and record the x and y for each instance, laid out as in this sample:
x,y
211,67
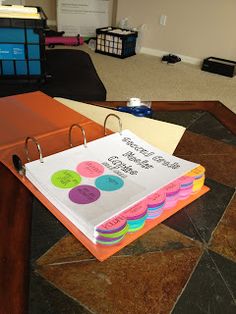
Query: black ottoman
x,y
73,76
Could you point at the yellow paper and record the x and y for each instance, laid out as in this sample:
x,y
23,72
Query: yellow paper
x,y
19,12
163,135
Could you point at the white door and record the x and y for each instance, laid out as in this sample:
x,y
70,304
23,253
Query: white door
x,y
83,17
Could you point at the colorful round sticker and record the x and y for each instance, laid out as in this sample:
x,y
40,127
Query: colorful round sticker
x,y
197,172
137,211
109,183
84,194
156,199
65,179
112,225
172,188
90,169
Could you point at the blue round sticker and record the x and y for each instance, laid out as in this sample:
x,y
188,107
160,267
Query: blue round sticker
x,y
109,183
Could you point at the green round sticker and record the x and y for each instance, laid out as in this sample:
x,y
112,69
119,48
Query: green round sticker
x,y
65,179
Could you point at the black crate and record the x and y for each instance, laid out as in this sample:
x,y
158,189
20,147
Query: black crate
x,y
219,66
22,48
116,42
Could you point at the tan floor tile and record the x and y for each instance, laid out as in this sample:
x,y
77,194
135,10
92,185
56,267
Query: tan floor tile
x,y
224,238
209,153
161,238
145,277
148,283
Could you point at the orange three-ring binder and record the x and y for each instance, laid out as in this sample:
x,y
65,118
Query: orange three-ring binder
x,y
39,116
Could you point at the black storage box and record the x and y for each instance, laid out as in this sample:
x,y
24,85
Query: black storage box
x,y
219,66
116,42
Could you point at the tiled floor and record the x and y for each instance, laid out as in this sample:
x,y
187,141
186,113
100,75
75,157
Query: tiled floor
x,y
185,265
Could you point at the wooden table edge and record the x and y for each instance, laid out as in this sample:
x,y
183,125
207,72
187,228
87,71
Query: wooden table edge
x,y
15,224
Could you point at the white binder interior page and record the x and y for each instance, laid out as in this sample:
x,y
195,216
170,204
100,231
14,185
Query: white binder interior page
x,y
111,174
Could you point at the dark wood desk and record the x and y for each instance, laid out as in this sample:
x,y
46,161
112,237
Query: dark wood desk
x,y
16,205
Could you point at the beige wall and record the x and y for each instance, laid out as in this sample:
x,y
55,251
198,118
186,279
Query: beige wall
x,y
194,28
49,7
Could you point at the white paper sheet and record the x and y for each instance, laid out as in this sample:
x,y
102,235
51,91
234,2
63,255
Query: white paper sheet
x,y
82,16
165,136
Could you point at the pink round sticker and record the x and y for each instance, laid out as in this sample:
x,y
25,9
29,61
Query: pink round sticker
x,y
185,181
172,188
184,193
156,199
137,211
169,204
90,169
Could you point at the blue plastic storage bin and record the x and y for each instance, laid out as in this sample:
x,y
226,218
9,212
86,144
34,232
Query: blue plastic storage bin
x,y
22,48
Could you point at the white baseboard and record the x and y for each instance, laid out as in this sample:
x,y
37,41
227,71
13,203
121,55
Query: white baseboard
x,y
160,53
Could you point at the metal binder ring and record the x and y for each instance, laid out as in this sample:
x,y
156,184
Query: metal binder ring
x,y
83,133
38,148
114,115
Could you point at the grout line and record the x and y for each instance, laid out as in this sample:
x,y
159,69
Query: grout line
x,y
70,262
195,120
186,284
212,234
204,154
207,251
112,257
61,290
209,243
181,233
94,259
222,277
